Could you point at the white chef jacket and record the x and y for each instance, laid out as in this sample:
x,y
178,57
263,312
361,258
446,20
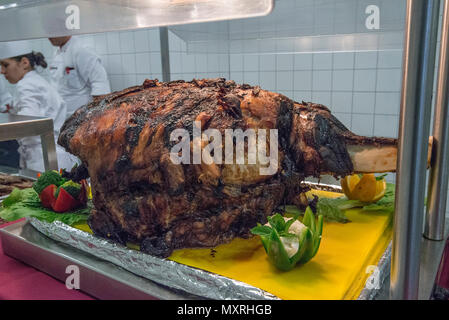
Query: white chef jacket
x,y
78,75
5,96
34,96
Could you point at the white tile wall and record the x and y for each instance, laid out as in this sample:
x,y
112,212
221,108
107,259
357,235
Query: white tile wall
x,y
390,59
303,61
364,60
322,80
322,61
343,80
322,97
284,81
361,87
184,66
343,60
387,103
142,41
113,41
101,43
389,80
365,80
143,62
268,80
250,62
129,57
363,124
365,102
342,102
303,80
386,125
284,62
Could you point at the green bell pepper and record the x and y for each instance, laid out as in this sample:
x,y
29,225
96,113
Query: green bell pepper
x,y
288,242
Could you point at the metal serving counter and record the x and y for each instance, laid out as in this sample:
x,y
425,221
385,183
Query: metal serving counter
x,y
16,127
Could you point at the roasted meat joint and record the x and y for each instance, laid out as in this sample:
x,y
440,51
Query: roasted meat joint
x,y
196,164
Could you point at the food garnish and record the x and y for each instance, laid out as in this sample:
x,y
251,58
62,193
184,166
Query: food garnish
x,y
60,194
26,203
365,187
289,242
334,208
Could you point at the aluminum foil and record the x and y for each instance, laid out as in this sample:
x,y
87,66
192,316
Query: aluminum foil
x,y
169,273
383,266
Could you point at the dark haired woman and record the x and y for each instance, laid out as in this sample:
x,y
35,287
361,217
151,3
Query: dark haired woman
x,y
33,96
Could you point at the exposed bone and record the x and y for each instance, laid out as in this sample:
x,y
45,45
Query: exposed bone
x,y
377,159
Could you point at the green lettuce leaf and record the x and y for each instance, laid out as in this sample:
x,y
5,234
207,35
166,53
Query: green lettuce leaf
x,y
26,203
333,209
15,196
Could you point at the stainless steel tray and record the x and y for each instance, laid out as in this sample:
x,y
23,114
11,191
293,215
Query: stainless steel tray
x,y
164,271
98,278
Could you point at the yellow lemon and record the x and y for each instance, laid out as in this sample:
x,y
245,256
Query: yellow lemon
x,y
381,187
348,184
365,188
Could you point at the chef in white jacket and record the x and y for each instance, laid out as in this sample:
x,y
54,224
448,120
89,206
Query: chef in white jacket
x,y
32,96
77,73
7,148
5,97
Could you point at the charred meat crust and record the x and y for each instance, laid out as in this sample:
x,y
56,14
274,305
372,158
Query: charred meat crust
x,y
77,173
212,221
140,195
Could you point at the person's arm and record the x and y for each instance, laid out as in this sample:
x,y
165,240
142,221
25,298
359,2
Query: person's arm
x,y
92,71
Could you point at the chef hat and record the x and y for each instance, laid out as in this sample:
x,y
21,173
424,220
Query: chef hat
x,y
14,49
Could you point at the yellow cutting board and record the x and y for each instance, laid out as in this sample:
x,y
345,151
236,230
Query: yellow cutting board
x,y
338,271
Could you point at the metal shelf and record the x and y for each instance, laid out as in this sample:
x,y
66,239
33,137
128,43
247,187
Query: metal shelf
x,y
51,18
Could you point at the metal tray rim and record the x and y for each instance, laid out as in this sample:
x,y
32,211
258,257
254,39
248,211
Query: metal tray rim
x,y
182,277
